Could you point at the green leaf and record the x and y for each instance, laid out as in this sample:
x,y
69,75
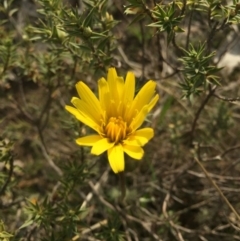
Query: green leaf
x,y
89,18
26,224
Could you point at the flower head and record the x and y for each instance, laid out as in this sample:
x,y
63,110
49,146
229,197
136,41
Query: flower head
x,y
115,117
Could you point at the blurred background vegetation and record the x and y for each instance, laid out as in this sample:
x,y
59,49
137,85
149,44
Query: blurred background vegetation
x,y
187,187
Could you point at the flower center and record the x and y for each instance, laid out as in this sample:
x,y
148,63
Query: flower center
x,y
116,129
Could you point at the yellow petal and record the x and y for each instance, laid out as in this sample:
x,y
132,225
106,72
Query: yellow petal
x,y
82,118
131,141
139,119
145,94
153,102
129,88
135,152
116,86
143,98
120,86
87,96
111,79
85,108
144,135
140,137
101,146
103,93
116,158
109,98
88,140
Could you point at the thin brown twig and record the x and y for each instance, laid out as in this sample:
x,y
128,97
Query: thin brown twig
x,y
29,118
44,110
145,225
217,188
95,188
179,50
184,7
194,206
178,234
46,155
93,227
227,99
229,150
200,109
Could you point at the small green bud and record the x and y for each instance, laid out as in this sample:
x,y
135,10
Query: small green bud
x,y
87,31
166,19
61,34
132,10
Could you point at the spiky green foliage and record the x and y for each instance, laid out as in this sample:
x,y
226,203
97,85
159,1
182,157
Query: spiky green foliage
x,y
198,71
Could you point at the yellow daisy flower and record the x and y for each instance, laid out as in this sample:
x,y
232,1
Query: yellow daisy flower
x,y
115,116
